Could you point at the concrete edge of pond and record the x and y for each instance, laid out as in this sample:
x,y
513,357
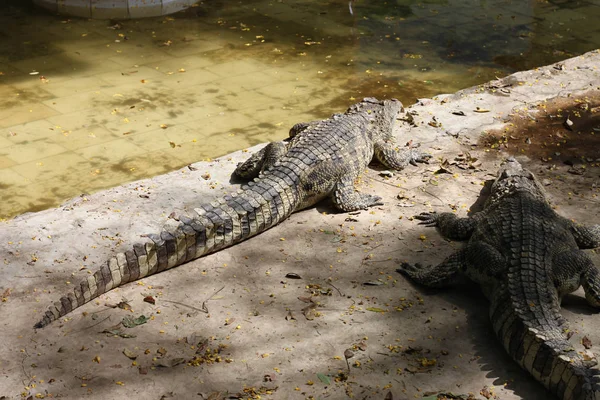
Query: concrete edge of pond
x,y
258,335
115,9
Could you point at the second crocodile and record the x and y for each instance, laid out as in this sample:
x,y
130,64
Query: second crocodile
x,y
321,159
525,257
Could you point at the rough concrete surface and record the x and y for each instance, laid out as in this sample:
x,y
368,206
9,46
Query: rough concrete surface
x,y
272,340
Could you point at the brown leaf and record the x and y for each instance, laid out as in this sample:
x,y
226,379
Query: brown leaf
x,y
170,362
485,392
149,299
348,354
194,338
123,305
309,312
586,342
130,354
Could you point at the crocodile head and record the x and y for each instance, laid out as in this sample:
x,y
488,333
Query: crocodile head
x,y
513,178
382,113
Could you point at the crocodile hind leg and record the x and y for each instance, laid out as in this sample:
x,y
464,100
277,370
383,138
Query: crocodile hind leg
x,y
346,198
301,127
392,157
262,160
587,237
574,268
591,285
440,275
266,157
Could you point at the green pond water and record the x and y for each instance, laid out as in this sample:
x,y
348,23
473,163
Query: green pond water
x,y
88,104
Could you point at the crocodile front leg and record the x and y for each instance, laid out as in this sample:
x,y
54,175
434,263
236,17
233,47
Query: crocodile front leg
x,y
440,275
449,225
392,157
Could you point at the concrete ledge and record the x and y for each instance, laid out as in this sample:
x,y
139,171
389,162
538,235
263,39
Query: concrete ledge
x,y
115,9
146,8
76,8
405,340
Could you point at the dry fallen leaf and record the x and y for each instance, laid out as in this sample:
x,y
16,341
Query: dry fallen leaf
x,y
130,354
309,312
348,353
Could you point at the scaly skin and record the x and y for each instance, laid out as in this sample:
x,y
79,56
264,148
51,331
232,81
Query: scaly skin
x,y
321,159
525,257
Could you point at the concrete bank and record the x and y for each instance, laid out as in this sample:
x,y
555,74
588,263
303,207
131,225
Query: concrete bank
x,y
234,323
115,9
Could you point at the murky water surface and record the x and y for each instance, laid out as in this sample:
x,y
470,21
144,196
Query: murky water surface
x,y
86,105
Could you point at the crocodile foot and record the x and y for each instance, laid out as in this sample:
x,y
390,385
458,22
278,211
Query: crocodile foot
x,y
409,270
417,156
369,200
428,218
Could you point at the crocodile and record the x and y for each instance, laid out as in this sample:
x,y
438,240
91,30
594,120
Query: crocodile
x,y
320,159
525,257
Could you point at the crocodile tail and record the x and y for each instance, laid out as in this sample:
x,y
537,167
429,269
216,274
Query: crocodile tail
x,y
260,205
540,346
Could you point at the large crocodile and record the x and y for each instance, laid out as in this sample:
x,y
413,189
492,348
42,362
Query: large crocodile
x,y
321,159
525,257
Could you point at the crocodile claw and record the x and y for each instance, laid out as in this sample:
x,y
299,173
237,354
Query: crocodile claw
x,y
424,158
372,200
409,269
419,157
427,218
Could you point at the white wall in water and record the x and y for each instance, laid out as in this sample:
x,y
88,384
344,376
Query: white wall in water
x,y
114,9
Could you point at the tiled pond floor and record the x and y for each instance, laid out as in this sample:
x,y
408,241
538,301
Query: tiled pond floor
x,y
86,105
